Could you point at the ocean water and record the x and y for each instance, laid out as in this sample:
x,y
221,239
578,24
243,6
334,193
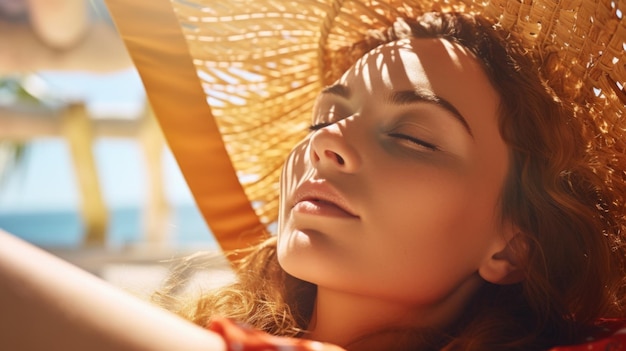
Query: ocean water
x,y
64,228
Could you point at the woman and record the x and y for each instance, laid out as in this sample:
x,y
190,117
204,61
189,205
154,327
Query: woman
x,y
445,198
450,195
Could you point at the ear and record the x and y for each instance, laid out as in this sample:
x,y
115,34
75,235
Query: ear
x,y
505,263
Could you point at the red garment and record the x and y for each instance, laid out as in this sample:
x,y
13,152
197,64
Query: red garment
x,y
611,337
242,338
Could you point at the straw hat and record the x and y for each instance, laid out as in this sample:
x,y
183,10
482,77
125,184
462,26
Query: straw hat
x,y
262,63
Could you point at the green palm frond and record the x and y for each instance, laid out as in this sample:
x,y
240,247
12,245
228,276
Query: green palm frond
x,y
12,94
12,91
12,155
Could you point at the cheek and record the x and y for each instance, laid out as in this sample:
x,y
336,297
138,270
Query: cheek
x,y
296,168
438,233
440,208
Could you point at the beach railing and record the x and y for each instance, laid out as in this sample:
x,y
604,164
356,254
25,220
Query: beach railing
x,y
73,123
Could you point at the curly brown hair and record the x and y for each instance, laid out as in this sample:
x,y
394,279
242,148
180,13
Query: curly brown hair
x,y
563,191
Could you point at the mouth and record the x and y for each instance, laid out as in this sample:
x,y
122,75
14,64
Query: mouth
x,y
320,199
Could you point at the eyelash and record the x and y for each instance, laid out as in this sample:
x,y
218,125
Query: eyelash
x,y
422,143
411,139
318,126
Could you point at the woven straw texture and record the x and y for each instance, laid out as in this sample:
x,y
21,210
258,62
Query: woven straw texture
x,y
262,63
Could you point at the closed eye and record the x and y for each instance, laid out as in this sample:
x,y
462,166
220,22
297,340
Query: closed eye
x,y
414,140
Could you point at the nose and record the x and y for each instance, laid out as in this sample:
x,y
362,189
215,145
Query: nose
x,y
330,150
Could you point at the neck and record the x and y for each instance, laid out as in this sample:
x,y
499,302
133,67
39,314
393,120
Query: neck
x,y
343,318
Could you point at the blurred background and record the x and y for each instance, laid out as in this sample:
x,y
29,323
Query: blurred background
x,y
84,170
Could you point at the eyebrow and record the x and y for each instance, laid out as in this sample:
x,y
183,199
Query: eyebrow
x,y
425,95
405,97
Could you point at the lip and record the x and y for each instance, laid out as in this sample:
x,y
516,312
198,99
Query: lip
x,y
318,197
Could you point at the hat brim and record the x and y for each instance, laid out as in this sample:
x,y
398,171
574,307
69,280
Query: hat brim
x,y
261,63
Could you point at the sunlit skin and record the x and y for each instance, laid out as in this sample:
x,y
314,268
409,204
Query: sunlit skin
x,y
391,204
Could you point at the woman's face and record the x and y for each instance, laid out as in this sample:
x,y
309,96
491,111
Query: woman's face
x,y
395,192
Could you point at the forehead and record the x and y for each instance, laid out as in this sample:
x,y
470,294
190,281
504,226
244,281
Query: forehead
x,y
416,61
447,69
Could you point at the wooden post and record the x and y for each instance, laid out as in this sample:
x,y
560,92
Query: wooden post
x,y
78,130
156,216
